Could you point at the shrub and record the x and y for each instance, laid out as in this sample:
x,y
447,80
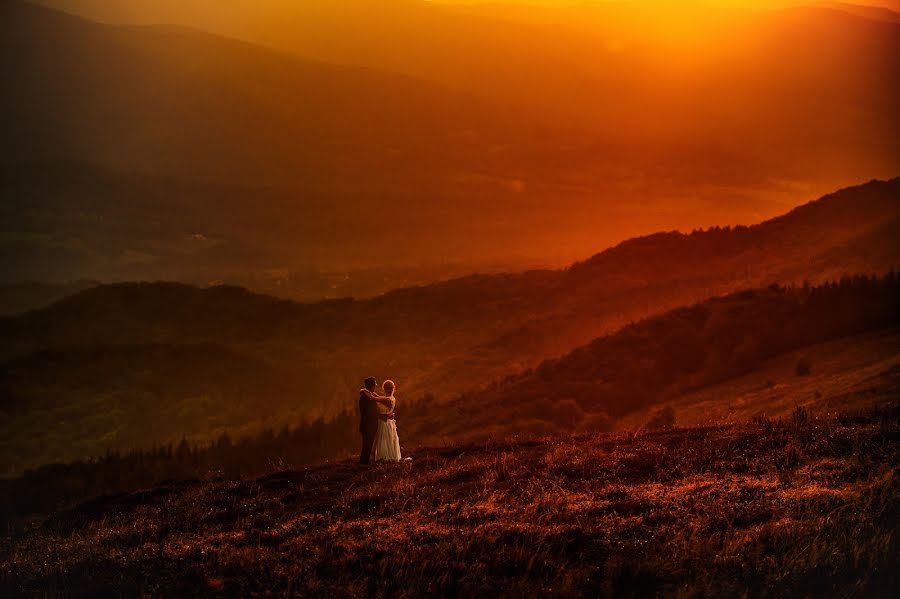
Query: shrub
x,y
596,422
662,418
800,417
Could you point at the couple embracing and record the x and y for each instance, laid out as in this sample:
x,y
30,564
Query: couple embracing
x,y
376,422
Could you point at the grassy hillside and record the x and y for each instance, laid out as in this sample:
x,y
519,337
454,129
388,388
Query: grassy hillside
x,y
802,506
657,359
839,375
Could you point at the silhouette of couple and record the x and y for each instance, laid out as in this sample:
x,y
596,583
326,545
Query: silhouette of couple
x,y
376,422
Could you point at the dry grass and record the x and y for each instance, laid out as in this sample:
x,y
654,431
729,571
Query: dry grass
x,y
848,373
800,506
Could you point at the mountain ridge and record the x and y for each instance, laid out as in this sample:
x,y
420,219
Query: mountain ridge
x,y
869,205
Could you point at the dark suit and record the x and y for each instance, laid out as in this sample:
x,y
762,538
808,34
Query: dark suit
x,y
368,426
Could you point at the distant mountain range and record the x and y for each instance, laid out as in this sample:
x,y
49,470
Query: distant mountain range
x,y
173,101
616,67
134,364
524,145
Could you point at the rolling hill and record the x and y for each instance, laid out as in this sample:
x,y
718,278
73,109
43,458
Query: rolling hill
x,y
289,361
654,362
173,101
845,374
65,220
16,298
758,354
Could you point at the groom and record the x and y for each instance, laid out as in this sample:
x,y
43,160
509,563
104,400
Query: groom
x,y
368,420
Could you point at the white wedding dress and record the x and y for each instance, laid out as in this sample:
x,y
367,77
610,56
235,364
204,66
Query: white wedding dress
x,y
387,443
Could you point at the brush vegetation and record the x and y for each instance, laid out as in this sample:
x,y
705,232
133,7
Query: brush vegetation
x,y
804,505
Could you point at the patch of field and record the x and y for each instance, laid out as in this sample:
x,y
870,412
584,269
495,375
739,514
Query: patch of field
x,y
805,506
848,374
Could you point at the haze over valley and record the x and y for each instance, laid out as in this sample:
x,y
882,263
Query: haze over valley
x,y
224,359
554,141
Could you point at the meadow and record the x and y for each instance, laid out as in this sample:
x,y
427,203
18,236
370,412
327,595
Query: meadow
x,y
806,505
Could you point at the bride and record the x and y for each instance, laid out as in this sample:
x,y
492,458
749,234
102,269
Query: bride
x,y
387,443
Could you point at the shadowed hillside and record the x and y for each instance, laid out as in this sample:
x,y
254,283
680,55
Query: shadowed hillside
x,y
203,107
292,361
843,374
16,298
806,505
659,358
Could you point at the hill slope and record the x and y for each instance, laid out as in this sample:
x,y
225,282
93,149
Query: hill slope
x,y
644,364
853,373
808,505
844,374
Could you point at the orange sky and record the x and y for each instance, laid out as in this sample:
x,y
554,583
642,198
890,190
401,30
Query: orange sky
x,y
657,116
893,4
